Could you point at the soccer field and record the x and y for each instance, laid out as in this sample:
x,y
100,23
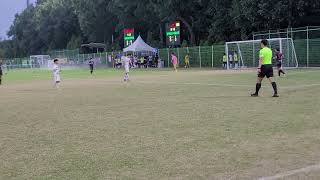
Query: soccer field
x,y
197,124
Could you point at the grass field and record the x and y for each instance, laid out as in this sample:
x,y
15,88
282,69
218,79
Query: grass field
x,y
162,125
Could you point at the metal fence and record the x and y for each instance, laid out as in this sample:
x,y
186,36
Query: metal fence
x,y
200,57
306,41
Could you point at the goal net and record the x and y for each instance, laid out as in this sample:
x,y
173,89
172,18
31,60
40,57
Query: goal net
x,y
247,52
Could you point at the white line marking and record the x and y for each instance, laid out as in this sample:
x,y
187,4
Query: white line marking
x,y
301,72
293,172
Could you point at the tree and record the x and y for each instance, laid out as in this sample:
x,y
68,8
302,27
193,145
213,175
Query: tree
x,y
97,23
60,24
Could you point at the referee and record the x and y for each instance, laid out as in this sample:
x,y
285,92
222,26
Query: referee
x,y
265,69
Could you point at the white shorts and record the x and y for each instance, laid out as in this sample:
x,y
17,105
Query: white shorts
x,y
127,69
56,78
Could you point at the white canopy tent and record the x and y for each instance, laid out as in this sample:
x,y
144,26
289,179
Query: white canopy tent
x,y
140,46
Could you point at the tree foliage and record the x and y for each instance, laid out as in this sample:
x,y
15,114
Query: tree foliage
x,y
59,24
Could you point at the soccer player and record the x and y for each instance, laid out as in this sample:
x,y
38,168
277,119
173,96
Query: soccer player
x,y
224,61
230,60
279,58
174,61
91,64
1,73
265,69
187,61
56,73
235,59
126,64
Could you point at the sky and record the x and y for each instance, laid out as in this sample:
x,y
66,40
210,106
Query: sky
x,y
8,9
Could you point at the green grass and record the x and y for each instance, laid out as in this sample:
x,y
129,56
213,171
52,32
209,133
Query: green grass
x,y
27,75
162,125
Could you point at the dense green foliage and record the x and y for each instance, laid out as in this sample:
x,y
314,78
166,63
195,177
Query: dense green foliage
x,y
60,24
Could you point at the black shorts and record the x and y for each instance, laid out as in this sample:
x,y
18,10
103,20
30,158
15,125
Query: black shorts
x,y
1,72
266,71
225,63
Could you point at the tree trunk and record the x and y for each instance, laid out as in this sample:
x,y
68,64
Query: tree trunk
x,y
191,33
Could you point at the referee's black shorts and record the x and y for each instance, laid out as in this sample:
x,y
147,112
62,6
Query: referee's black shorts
x,y
266,71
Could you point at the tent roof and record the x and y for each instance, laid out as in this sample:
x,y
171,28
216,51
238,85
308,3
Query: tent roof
x,y
139,46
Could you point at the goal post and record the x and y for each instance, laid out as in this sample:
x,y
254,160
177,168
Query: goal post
x,y
248,52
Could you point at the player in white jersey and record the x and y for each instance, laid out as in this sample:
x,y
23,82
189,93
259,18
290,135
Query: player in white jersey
x,y
56,73
230,61
126,64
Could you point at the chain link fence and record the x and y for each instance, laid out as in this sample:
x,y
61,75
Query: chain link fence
x,y
200,56
306,41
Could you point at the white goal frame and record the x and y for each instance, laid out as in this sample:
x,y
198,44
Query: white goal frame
x,y
241,62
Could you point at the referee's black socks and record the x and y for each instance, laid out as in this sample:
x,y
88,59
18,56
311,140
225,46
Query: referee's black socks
x,y
275,88
258,87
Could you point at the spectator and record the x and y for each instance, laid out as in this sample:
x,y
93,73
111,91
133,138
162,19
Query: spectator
x,y
224,60
187,61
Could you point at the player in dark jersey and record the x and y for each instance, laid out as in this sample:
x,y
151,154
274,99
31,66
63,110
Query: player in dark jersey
x,y
1,73
91,64
279,58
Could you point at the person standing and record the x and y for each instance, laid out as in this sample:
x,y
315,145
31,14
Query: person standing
x,y
230,60
56,73
235,59
265,69
126,64
279,58
174,61
187,61
141,63
1,73
91,64
224,61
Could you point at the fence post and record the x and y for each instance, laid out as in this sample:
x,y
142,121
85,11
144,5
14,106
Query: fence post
x,y
307,46
178,57
200,55
168,57
288,53
292,46
269,34
107,60
227,54
253,51
212,57
189,55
